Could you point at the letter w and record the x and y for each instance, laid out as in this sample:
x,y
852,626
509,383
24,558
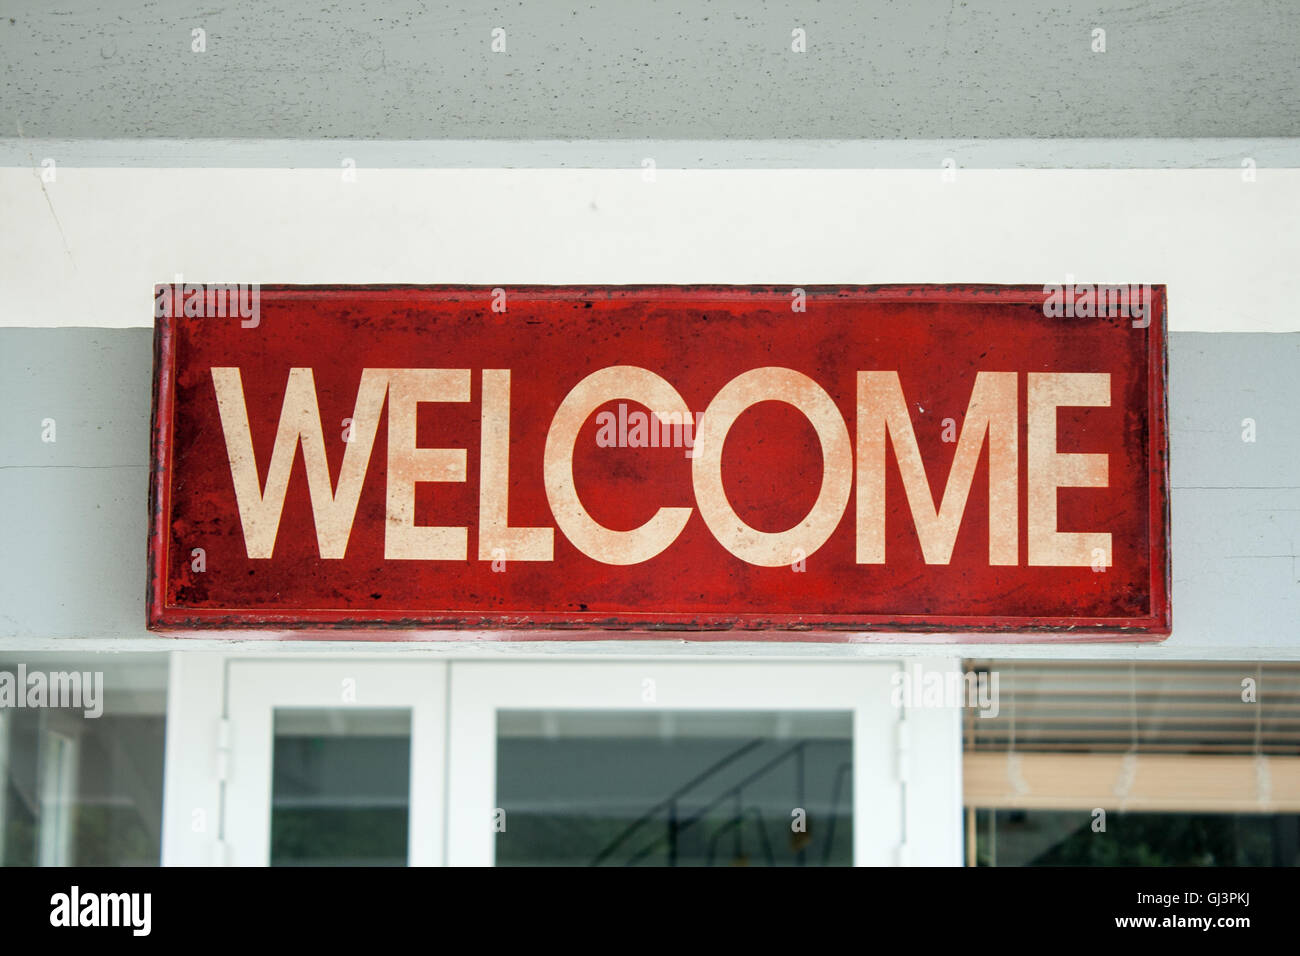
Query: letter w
x,y
332,510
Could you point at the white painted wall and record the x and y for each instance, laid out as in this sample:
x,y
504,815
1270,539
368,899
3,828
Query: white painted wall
x,y
88,248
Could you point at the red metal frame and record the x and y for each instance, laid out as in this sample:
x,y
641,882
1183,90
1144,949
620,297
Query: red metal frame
x,y
468,625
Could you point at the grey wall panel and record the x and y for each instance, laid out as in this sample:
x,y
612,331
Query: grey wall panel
x,y
92,384
1216,383
659,70
72,556
74,551
1235,567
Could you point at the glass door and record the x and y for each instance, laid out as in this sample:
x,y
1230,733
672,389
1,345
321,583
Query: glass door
x,y
334,763
677,764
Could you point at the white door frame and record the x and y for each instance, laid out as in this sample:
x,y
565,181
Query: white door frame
x,y
888,742
906,811
255,689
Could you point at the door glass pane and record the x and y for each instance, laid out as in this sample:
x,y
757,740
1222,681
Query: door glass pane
x,y
340,787
81,771
679,788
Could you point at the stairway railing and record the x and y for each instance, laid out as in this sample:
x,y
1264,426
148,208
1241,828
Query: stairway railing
x,y
671,805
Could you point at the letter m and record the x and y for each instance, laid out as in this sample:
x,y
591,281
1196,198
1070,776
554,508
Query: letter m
x,y
65,689
120,907
882,411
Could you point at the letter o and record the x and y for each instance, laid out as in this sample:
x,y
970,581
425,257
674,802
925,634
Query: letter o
x,y
763,548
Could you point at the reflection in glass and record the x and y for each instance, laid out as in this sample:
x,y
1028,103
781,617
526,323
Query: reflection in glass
x,y
673,788
1069,838
79,790
1105,763
340,788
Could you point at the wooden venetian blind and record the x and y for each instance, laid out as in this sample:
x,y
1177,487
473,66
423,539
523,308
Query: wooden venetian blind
x,y
1194,736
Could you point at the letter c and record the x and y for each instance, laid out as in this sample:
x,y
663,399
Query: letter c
x,y
588,535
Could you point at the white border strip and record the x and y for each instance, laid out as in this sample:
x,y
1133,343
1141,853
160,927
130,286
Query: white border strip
x,y
663,648
1265,152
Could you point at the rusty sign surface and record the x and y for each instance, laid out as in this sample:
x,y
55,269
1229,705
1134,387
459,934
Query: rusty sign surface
x,y
863,463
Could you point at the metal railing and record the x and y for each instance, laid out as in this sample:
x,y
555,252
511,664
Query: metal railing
x,y
675,825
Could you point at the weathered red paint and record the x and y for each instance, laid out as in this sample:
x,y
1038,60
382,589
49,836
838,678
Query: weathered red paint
x,y
698,339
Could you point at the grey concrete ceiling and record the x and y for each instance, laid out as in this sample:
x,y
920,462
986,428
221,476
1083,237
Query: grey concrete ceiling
x,y
672,70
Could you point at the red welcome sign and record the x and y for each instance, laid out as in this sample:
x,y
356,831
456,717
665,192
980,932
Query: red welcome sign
x,y
737,462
